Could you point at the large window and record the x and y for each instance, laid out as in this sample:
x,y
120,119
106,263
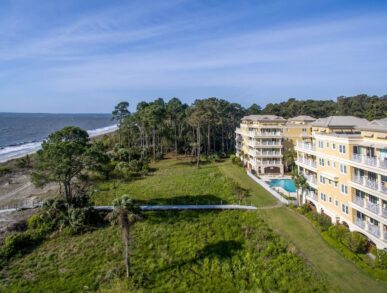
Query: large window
x,y
344,189
343,169
345,209
342,149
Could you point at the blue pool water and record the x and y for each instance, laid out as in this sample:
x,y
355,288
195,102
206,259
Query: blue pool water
x,y
287,184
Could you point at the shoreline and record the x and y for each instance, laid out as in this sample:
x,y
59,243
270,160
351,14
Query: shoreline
x,y
32,147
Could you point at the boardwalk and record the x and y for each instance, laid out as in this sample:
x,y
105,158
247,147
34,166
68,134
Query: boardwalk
x,y
185,207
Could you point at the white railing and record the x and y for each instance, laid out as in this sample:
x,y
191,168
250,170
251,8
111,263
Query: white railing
x,y
385,236
271,153
310,178
384,213
312,195
373,207
370,183
270,134
359,201
360,223
368,160
310,163
373,229
270,143
306,146
271,163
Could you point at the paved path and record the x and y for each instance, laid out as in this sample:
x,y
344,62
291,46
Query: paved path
x,y
185,207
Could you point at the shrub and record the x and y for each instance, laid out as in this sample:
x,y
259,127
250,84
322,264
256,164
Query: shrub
x,y
381,259
19,243
4,170
356,242
304,209
338,232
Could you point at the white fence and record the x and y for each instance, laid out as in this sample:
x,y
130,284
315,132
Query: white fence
x,y
272,192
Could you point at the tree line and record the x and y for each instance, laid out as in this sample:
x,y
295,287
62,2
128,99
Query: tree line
x,y
363,106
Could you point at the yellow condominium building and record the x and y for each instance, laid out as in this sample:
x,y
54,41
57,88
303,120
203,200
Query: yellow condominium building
x,y
260,140
345,163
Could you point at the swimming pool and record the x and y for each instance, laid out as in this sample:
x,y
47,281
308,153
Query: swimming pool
x,y
287,184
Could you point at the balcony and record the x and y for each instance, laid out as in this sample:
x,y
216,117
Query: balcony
x,y
370,183
373,207
361,223
370,161
359,201
276,143
262,133
307,162
253,143
272,163
311,195
385,236
238,131
384,213
271,153
373,229
310,178
306,146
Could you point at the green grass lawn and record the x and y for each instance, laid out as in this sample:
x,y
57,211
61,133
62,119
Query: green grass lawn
x,y
229,251
340,272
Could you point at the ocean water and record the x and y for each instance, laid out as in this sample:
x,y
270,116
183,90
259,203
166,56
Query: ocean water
x,y
22,134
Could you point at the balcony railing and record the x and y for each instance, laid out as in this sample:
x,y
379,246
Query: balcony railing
x,y
310,163
373,229
368,160
373,207
275,163
306,146
270,143
359,201
269,134
385,236
310,178
312,195
384,213
361,223
370,183
271,153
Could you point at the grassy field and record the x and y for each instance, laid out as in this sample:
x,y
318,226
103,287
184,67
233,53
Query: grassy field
x,y
228,251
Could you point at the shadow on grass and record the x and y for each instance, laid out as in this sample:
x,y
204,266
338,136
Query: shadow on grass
x,y
221,250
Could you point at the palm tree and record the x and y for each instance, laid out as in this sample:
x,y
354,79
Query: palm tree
x,y
127,213
301,184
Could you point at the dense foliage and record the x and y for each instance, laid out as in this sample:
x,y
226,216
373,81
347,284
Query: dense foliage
x,y
369,107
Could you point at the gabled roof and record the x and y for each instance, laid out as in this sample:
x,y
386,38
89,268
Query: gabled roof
x,y
303,118
264,118
340,121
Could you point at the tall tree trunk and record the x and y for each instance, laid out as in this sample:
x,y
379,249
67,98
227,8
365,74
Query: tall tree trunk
x,y
125,239
222,138
175,139
154,143
198,148
208,139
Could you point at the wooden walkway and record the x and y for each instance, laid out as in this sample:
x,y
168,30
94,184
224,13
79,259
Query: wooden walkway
x,y
185,207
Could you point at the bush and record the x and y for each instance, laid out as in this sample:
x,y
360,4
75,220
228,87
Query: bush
x,y
356,242
18,243
338,232
4,170
304,209
381,259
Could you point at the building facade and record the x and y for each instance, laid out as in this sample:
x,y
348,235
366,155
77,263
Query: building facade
x,y
345,163
260,140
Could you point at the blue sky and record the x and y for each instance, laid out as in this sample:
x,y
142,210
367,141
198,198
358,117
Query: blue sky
x,y
85,56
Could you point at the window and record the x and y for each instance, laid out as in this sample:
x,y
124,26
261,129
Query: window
x,y
323,196
320,144
328,162
333,146
336,202
374,222
329,181
327,144
321,161
342,149
336,184
344,189
345,209
343,169
322,179
334,164
330,199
